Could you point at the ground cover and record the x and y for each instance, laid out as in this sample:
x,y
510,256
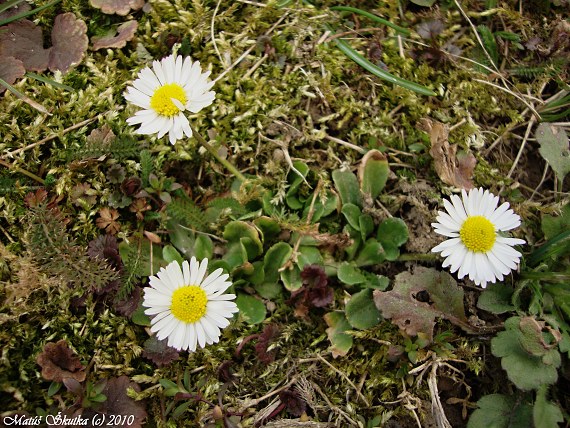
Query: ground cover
x,y
339,132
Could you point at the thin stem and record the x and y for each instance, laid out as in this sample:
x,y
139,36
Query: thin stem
x,y
22,171
214,153
415,257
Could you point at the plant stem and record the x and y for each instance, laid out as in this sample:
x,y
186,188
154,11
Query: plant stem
x,y
22,171
214,153
412,257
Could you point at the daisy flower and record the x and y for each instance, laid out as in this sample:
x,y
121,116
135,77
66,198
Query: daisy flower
x,y
164,92
476,247
189,309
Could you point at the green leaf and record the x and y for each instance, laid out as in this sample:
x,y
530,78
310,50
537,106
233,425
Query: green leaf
x,y
274,259
554,148
170,254
545,413
489,42
392,233
349,274
352,214
501,411
347,186
365,225
247,234
180,409
496,298
250,308
139,317
292,278
319,209
373,173
371,254
269,290
203,247
555,225
236,255
361,312
336,332
296,177
441,297
269,228
526,371
54,387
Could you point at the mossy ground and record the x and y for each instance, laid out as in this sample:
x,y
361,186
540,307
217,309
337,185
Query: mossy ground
x,y
294,100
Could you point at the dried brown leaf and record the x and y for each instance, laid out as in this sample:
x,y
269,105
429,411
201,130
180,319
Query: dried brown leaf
x,y
14,10
11,69
126,31
120,7
108,220
102,136
23,40
69,40
119,403
451,169
59,362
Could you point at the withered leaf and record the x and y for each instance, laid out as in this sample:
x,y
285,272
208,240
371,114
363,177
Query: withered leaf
x,y
14,10
294,404
159,352
270,332
453,171
119,403
120,7
414,311
129,304
11,69
23,40
105,247
59,362
108,220
126,31
315,291
69,40
102,136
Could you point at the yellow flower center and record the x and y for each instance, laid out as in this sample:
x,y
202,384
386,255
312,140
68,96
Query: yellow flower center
x,y
162,103
189,303
478,234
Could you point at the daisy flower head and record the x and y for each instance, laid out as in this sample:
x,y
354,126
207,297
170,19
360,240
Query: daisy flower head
x,y
164,92
189,308
476,248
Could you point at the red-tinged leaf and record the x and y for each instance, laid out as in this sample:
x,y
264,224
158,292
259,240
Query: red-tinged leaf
x,y
159,352
294,404
11,69
34,199
270,332
23,40
14,10
69,39
125,33
58,362
119,7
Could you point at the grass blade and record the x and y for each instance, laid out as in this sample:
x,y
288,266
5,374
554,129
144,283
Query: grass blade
x,y
373,17
49,81
377,71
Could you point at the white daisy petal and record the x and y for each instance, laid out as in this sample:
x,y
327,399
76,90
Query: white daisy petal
x,y
475,249
165,91
181,309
